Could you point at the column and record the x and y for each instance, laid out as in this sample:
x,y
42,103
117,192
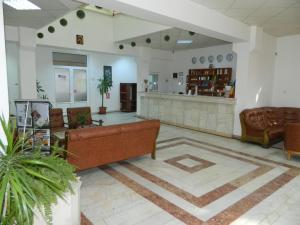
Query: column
x,y
27,63
4,107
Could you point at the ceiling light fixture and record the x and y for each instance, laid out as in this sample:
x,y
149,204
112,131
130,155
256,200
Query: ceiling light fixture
x,y
21,4
184,42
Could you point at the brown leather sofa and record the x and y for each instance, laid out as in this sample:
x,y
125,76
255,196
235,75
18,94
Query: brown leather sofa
x,y
266,125
96,146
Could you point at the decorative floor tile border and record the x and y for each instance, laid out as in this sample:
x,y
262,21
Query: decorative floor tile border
x,y
226,216
85,220
164,204
203,164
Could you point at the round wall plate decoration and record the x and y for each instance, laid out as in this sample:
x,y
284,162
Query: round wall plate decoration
x,y
219,58
229,57
211,59
51,29
63,22
194,60
40,35
80,14
202,59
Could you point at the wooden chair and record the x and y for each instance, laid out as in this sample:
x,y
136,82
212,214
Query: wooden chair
x,y
292,139
81,116
57,120
57,124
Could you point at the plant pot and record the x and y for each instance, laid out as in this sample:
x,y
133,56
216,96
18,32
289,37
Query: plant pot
x,y
102,110
65,211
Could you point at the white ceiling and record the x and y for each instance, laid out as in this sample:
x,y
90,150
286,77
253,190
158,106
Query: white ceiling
x,y
277,17
158,42
50,10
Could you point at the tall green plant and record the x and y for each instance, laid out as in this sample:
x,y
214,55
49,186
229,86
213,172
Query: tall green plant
x,y
29,180
104,87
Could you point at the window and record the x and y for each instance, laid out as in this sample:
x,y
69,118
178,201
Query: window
x,y
153,82
70,84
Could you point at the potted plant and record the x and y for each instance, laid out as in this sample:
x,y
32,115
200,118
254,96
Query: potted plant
x,y
30,181
104,87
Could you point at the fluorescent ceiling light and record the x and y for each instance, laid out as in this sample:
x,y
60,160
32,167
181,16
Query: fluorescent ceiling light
x,y
184,41
21,4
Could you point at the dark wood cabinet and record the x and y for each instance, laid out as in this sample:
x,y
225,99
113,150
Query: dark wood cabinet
x,y
128,97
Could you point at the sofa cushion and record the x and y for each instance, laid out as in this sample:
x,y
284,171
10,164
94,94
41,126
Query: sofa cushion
x,y
93,132
256,119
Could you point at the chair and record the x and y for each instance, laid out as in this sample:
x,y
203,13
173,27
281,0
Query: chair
x,y
57,124
292,139
57,120
81,116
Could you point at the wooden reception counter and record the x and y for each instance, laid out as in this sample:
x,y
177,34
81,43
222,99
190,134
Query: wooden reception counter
x,y
209,114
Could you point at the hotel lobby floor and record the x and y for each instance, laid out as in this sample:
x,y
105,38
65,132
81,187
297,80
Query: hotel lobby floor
x,y
197,178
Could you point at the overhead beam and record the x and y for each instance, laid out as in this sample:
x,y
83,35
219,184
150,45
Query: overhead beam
x,y
184,14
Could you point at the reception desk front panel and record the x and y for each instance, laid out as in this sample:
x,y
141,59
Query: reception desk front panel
x,y
209,114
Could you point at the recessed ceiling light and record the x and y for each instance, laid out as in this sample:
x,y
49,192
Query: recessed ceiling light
x,y
184,41
21,4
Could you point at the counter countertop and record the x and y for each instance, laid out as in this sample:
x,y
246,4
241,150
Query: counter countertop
x,y
192,98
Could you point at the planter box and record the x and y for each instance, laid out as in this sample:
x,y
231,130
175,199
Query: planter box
x,y
66,211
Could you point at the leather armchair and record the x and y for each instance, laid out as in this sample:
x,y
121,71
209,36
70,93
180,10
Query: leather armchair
x,y
266,125
57,124
292,139
81,116
57,120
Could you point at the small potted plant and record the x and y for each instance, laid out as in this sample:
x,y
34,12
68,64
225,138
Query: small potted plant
x,y
104,87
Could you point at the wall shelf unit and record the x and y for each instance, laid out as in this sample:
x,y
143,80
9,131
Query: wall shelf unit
x,y
209,82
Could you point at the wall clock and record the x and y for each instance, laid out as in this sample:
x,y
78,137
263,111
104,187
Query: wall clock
x,y
219,58
211,59
229,57
202,59
194,60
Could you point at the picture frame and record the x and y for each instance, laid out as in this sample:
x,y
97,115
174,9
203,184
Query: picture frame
x,y
79,39
23,112
107,73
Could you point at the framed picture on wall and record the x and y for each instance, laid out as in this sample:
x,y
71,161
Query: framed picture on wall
x,y
175,75
107,73
79,39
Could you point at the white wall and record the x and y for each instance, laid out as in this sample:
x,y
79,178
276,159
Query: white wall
x,y
286,89
254,76
124,70
183,61
126,27
166,63
184,14
12,58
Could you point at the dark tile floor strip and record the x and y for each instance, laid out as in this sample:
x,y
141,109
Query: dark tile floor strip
x,y
239,208
85,220
243,153
206,198
169,207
